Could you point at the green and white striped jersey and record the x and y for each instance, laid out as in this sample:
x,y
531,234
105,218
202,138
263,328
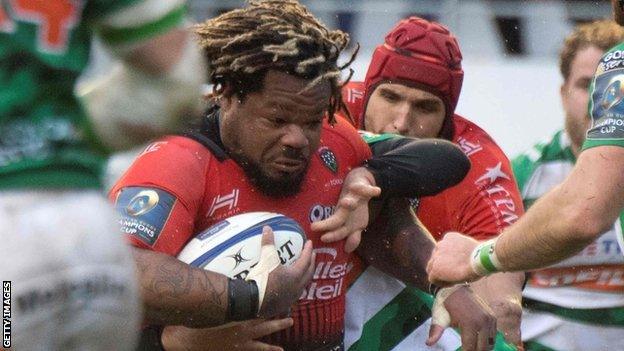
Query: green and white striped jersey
x,y
587,288
45,137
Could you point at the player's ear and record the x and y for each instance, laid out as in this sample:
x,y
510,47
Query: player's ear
x,y
226,97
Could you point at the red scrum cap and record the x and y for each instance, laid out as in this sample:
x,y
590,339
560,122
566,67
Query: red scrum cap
x,y
420,53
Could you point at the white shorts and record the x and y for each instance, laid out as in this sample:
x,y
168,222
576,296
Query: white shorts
x,y
72,279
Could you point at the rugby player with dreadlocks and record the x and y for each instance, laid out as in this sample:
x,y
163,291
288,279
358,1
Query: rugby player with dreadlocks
x,y
268,143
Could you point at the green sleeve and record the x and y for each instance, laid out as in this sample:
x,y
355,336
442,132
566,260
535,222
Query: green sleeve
x,y
371,138
522,168
142,30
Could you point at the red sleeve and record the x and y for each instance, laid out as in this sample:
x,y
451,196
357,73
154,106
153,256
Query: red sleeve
x,y
486,201
489,199
357,148
161,193
353,97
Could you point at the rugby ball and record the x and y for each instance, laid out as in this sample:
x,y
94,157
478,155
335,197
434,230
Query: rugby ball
x,y
232,246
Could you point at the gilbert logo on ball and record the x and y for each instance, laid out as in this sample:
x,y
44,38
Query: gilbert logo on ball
x,y
232,246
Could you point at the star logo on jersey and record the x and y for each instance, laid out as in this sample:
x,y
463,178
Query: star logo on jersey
x,y
238,258
493,173
329,159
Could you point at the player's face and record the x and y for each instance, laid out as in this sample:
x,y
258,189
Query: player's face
x,y
575,94
274,132
396,108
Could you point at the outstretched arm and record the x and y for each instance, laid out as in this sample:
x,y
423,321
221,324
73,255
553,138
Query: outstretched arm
x,y
398,244
557,226
401,167
155,83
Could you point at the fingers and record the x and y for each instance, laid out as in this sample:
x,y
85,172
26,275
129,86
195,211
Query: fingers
x,y
310,272
510,327
335,235
265,328
365,190
357,194
468,339
481,339
435,333
305,264
334,222
486,339
353,241
267,236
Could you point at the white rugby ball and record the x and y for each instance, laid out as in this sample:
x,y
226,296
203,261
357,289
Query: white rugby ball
x,y
232,246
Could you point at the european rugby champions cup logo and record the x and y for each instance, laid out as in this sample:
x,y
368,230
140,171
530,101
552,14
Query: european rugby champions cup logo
x,y
142,203
329,158
614,93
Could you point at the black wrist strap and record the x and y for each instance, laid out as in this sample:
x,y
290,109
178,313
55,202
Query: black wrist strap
x,y
150,338
243,300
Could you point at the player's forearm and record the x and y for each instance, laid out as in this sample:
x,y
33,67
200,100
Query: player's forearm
x,y
570,216
407,167
398,244
160,54
510,283
501,289
545,235
174,293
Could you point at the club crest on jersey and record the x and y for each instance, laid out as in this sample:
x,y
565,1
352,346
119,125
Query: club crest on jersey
x,y
329,159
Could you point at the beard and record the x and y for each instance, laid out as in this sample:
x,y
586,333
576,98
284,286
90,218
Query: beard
x,y
288,185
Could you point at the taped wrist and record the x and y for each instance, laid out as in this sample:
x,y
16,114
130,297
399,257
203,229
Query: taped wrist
x,y
269,260
242,300
439,314
484,260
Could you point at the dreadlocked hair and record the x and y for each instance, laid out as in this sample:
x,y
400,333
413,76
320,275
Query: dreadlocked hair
x,y
243,44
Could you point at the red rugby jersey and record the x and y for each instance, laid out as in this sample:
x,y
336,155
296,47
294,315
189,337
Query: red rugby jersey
x,y
199,190
481,205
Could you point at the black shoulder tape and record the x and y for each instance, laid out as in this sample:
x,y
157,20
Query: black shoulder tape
x,y
208,134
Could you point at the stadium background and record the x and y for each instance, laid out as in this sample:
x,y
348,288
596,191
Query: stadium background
x,y
510,50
